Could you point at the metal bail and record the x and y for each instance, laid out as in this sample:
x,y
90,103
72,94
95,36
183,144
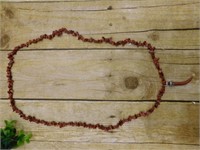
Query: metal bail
x,y
170,83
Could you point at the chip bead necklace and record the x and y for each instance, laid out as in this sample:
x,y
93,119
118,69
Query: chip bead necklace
x,y
107,128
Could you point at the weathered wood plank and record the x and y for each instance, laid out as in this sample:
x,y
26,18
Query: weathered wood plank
x,y
43,72
171,123
35,145
175,40
100,74
24,21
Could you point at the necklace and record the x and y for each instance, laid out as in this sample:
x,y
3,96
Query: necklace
x,y
107,128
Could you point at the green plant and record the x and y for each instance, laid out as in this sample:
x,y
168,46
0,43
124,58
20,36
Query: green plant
x,y
10,138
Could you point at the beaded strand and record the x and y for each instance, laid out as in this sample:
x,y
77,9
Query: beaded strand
x,y
106,128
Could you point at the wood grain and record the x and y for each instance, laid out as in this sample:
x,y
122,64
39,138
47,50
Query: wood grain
x,y
66,79
35,145
171,123
141,20
100,74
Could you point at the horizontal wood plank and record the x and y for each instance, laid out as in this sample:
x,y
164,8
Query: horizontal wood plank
x,y
171,123
100,74
44,145
140,20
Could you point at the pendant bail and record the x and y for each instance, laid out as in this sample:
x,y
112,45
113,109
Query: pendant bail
x,y
169,83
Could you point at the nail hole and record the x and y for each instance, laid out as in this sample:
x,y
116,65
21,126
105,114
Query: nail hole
x,y
109,8
112,116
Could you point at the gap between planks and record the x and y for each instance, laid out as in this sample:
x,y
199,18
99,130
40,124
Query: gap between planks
x,y
100,100
93,49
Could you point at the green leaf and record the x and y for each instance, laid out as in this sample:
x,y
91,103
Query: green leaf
x,y
10,124
21,132
6,122
5,132
20,142
27,137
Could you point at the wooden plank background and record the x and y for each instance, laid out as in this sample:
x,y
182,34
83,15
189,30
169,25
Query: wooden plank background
x,y
66,79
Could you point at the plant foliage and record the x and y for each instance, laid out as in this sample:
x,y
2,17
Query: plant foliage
x,y
10,138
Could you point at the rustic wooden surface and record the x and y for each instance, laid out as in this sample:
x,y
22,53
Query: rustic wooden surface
x,y
65,79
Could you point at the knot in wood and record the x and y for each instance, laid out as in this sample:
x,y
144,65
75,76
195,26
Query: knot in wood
x,y
131,82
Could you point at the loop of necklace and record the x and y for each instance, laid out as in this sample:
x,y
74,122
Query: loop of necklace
x,y
107,128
